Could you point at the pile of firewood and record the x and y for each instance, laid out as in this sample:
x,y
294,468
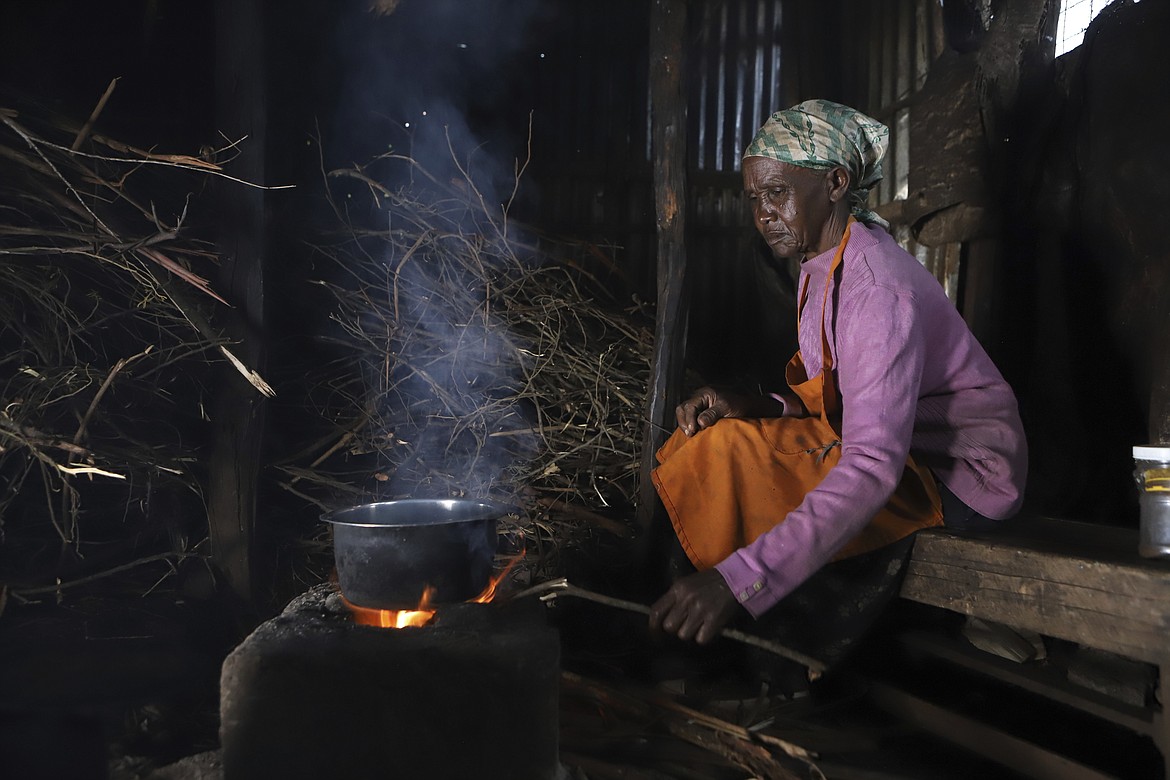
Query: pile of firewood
x,y
105,337
471,360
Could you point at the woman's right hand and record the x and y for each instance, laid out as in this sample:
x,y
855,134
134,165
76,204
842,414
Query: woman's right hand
x,y
709,405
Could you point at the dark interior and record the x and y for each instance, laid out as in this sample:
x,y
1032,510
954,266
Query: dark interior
x,y
521,133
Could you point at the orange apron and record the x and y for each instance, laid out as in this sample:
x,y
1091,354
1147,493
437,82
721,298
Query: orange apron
x,y
732,482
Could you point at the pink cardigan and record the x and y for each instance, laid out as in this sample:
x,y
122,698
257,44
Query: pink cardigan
x,y
912,378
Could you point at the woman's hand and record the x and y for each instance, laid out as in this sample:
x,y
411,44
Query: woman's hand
x,y
696,607
708,405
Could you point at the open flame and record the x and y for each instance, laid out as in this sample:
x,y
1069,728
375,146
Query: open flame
x,y
489,592
423,613
395,618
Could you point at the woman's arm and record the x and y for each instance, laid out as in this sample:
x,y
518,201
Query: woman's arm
x,y
880,357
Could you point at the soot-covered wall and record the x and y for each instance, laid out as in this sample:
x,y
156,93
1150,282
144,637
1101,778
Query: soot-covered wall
x,y
1087,266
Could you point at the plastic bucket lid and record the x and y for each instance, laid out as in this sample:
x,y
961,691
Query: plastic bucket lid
x,y
1151,453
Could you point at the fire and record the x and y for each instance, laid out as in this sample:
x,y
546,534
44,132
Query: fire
x,y
395,618
489,592
423,613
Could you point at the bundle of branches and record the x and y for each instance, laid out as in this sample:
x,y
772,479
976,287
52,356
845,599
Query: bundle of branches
x,y
104,337
472,363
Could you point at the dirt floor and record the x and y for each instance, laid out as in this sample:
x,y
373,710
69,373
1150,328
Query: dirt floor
x,y
129,686
106,683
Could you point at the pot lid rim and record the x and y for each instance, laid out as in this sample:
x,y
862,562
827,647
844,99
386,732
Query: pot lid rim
x,y
488,510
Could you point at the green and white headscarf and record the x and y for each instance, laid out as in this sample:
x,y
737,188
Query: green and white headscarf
x,y
822,134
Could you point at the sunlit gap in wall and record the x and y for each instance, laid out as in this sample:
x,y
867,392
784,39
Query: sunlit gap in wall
x,y
1075,16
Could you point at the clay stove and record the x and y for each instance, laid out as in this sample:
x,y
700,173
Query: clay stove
x,y
472,694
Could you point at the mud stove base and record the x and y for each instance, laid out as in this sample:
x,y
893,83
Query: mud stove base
x,y
310,694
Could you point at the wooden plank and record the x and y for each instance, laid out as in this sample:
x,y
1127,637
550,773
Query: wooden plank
x,y
1148,611
1104,632
950,164
922,54
238,416
1073,581
1123,582
1104,569
668,28
1124,633
1040,679
994,744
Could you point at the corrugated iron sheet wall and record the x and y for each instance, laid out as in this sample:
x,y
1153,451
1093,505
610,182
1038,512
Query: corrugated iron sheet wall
x,y
900,39
591,138
735,78
741,302
746,58
751,57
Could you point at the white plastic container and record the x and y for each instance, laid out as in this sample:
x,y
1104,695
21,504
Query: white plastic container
x,y
1152,475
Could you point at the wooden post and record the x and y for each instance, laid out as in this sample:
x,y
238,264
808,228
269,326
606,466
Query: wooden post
x,y
238,411
1002,77
668,100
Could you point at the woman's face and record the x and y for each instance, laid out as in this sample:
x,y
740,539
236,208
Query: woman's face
x,y
791,205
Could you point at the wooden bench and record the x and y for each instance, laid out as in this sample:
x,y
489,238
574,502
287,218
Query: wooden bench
x,y
1071,581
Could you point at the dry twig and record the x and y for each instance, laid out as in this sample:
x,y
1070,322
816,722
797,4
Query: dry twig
x,y
741,746
92,274
476,364
561,587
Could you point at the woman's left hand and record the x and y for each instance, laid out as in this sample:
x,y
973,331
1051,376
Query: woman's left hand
x,y
696,607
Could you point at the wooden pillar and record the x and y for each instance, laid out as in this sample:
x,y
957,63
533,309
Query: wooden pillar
x,y
1002,78
668,100
238,411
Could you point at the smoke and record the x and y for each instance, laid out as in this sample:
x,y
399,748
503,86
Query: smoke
x,y
431,81
453,396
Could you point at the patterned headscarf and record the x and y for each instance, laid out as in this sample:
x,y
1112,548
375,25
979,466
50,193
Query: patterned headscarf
x,y
822,134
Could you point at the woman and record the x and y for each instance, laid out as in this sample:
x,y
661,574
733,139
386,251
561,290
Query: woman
x,y
895,418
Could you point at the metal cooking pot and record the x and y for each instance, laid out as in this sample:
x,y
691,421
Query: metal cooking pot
x,y
389,552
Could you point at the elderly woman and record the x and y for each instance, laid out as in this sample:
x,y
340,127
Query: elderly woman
x,y
894,420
